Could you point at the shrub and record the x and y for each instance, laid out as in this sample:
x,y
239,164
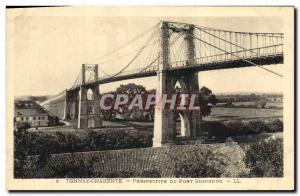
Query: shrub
x,y
265,159
215,129
196,164
83,169
43,159
257,126
117,139
44,144
275,125
235,128
220,131
21,141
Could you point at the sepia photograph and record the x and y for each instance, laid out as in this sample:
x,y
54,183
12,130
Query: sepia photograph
x,y
150,98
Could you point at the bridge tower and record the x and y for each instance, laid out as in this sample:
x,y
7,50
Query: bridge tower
x,y
165,119
71,102
67,106
86,105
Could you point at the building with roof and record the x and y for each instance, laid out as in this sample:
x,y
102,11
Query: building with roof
x,y
34,114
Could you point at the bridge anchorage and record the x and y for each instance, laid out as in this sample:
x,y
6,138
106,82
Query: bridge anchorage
x,y
203,49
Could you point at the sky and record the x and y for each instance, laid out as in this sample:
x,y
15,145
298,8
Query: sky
x,y
49,50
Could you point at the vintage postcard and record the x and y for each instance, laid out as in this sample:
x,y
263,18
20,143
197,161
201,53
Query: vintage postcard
x,y
150,98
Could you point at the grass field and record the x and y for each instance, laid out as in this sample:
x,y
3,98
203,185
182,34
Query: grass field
x,y
269,104
224,114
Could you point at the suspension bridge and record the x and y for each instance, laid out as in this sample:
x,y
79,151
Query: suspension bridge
x,y
173,52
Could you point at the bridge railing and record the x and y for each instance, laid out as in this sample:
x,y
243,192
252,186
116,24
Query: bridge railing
x,y
236,55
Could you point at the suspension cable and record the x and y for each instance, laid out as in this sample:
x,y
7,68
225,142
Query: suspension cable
x,y
127,43
225,40
76,80
241,58
133,59
172,42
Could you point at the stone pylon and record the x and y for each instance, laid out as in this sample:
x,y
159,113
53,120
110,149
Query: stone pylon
x,y
70,105
165,119
67,106
86,105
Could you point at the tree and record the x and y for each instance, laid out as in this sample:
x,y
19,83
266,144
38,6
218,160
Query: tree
x,y
205,91
37,98
265,159
21,139
262,103
130,88
206,100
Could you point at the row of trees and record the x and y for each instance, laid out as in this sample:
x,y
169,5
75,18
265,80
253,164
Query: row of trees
x,y
240,98
261,103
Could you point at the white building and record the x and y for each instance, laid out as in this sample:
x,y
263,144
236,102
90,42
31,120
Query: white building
x,y
34,114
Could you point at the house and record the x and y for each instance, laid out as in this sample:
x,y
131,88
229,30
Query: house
x,y
275,99
27,111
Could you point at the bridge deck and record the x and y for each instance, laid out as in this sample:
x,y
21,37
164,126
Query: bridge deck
x,y
213,65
